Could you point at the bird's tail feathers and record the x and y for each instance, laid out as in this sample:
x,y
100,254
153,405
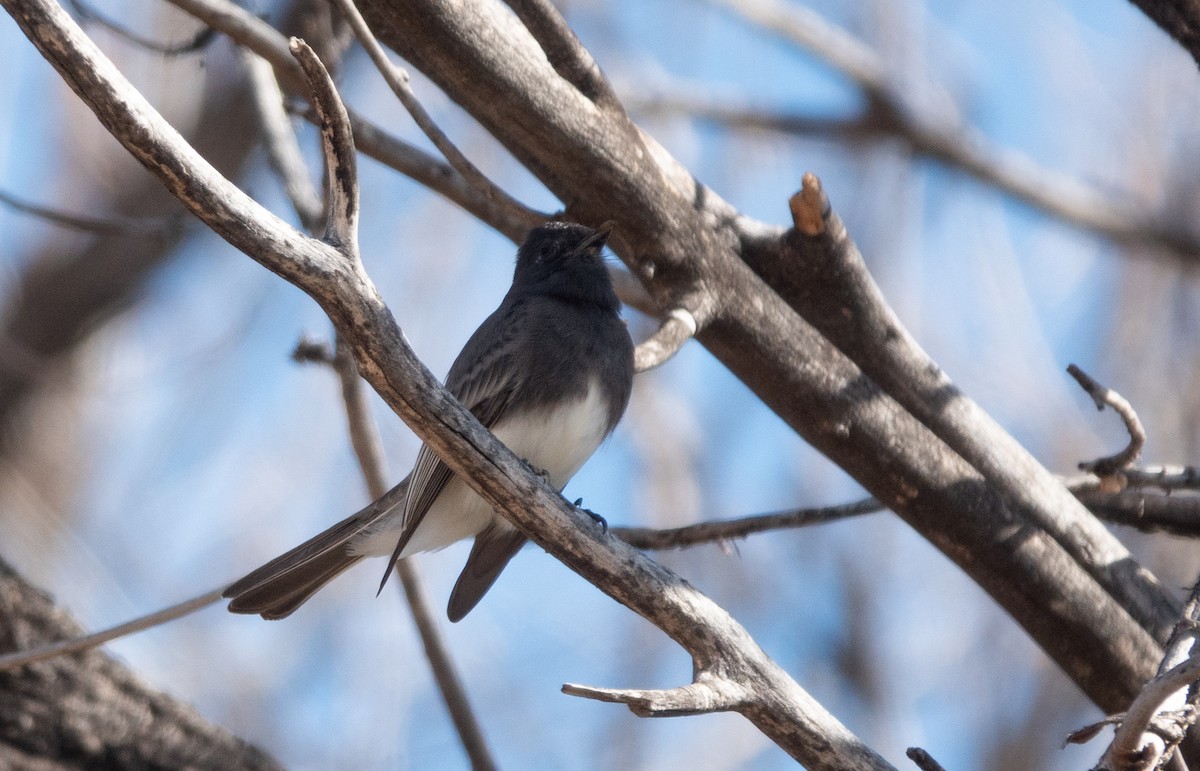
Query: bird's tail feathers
x,y
277,588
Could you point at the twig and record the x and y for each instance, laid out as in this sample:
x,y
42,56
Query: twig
x,y
708,693
1113,464
923,759
96,639
728,529
676,329
337,141
283,151
103,226
397,80
198,42
368,448
1139,741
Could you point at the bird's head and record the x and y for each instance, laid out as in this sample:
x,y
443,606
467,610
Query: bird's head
x,y
564,258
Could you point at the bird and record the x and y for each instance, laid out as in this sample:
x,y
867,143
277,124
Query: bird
x,y
549,372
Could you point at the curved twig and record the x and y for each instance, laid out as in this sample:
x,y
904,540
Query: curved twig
x,y
1137,744
679,327
1113,464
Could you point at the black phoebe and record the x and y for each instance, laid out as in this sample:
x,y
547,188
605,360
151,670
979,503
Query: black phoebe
x,y
549,373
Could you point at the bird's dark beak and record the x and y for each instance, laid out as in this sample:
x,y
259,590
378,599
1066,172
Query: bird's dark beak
x,y
598,237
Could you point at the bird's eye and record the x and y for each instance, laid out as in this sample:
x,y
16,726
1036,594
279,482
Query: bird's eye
x,y
545,253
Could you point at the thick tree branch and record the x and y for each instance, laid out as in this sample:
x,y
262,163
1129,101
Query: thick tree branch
x,y
88,711
819,271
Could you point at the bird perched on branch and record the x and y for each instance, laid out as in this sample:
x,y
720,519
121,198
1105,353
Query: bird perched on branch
x,y
549,373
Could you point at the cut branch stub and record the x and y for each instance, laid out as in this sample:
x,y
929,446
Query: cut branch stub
x,y
709,693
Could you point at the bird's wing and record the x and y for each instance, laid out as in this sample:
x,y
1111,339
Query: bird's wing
x,y
493,548
484,379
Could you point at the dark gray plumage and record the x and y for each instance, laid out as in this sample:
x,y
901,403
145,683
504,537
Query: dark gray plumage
x,y
549,372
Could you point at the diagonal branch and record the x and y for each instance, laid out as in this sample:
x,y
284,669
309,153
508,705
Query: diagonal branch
x,y
397,80
818,269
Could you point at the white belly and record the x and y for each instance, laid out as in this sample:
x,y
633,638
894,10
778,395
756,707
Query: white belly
x,y
558,443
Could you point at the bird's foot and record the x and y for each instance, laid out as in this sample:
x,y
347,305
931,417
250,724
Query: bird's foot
x,y
540,473
599,520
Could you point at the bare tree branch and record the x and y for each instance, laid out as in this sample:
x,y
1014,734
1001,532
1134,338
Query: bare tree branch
x,y
923,759
1102,396
1145,733
102,226
283,151
940,135
566,54
85,642
819,271
87,13
397,80
508,217
728,529
368,448
337,282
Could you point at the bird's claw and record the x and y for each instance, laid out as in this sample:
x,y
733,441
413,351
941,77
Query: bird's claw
x,y
599,520
540,473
